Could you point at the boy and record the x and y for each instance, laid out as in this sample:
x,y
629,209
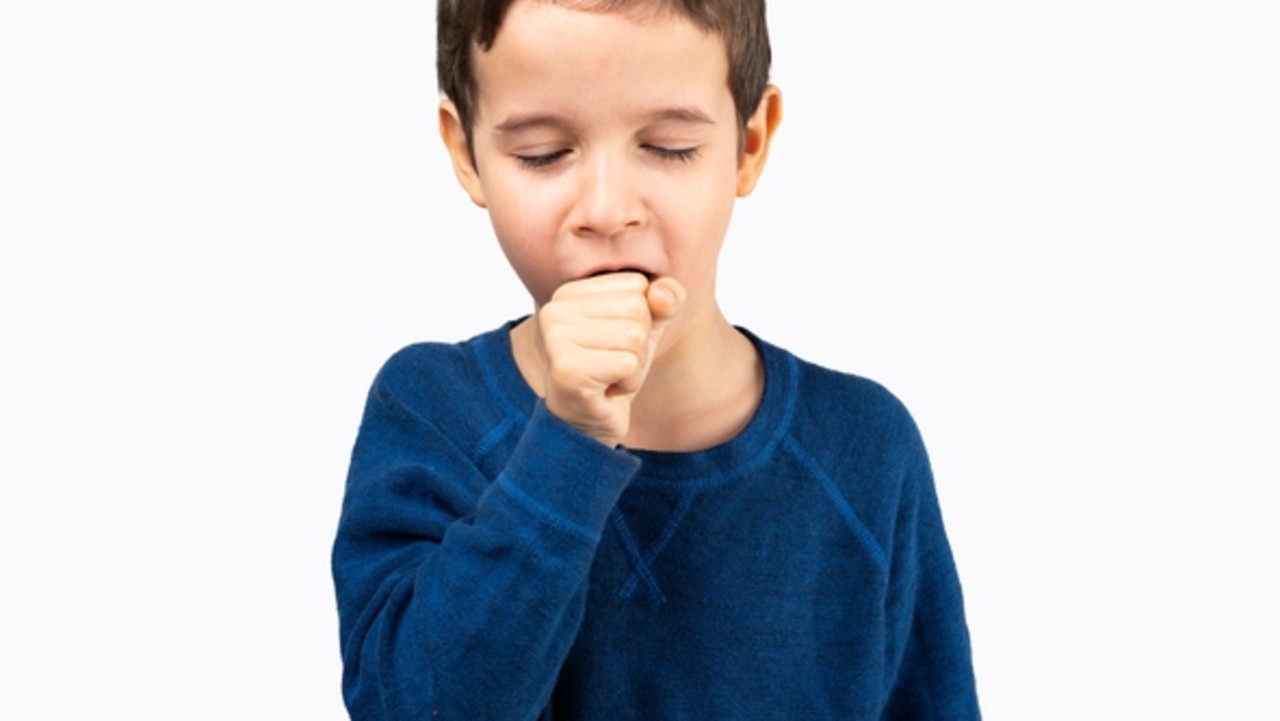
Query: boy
x,y
621,506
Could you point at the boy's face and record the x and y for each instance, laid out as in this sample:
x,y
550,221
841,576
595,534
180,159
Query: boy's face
x,y
604,141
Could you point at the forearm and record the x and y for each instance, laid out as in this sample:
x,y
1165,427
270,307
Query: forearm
x,y
476,622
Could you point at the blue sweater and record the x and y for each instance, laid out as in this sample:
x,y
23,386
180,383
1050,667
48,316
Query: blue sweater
x,y
493,563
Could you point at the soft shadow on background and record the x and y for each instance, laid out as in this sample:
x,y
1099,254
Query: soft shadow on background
x,y
1050,230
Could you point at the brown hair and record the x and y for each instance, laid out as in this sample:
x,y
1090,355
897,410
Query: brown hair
x,y
462,24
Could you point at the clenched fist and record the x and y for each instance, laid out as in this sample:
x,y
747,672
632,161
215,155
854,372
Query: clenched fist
x,y
600,335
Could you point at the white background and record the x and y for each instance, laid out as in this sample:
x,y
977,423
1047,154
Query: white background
x,y
1049,227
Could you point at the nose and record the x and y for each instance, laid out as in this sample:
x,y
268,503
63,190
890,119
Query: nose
x,y
608,200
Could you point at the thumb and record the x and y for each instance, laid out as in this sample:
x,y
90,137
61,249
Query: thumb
x,y
665,296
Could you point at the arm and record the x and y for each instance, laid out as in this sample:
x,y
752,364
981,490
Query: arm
x,y
460,598
932,674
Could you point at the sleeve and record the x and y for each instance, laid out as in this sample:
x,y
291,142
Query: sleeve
x,y
931,669
459,598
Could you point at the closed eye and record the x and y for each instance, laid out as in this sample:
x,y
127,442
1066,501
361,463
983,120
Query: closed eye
x,y
683,155
541,161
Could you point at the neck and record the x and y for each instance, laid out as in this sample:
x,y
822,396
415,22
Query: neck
x,y
702,389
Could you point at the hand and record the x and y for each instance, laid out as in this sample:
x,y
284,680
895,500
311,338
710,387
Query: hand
x,y
600,335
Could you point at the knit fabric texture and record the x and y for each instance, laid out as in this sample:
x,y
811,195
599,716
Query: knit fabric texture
x,y
494,563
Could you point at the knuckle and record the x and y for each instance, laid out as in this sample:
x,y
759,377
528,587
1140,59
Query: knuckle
x,y
630,363
557,335
634,305
634,335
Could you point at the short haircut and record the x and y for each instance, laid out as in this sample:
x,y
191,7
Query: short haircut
x,y
462,24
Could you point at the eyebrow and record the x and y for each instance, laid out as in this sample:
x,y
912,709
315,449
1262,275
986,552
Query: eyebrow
x,y
516,123
692,116
687,115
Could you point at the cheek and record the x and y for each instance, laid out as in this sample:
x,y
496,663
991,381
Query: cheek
x,y
525,205
700,215
525,225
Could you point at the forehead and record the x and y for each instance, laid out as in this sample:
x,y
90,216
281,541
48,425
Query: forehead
x,y
636,9
555,51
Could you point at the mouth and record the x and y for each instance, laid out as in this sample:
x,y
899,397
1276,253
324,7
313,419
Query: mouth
x,y
626,269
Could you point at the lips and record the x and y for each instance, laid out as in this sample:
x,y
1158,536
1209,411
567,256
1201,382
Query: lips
x,y
624,269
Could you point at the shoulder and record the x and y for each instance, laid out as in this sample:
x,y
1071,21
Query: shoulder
x,y
840,417
437,378
826,392
825,395
421,362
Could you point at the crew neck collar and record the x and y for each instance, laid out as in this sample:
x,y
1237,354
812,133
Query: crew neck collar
x,y
743,453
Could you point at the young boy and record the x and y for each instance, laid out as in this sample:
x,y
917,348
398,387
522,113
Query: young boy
x,y
622,506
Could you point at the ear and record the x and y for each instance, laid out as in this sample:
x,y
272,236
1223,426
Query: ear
x,y
455,141
756,138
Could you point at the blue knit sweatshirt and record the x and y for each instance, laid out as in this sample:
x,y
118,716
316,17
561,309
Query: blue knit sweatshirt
x,y
494,563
